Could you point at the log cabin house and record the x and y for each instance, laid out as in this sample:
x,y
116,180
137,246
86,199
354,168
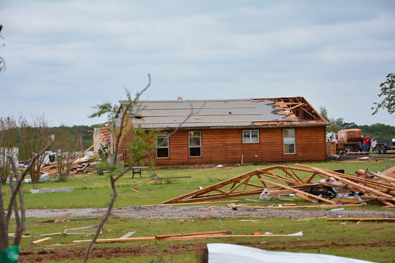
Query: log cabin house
x,y
229,132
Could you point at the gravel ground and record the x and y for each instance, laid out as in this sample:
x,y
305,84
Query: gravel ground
x,y
174,212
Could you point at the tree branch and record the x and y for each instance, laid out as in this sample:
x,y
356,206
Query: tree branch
x,y
125,115
19,183
17,220
22,204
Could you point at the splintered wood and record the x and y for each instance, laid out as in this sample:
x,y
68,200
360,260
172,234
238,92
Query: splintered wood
x,y
319,186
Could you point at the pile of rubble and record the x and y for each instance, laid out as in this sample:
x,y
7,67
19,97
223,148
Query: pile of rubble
x,y
79,165
320,185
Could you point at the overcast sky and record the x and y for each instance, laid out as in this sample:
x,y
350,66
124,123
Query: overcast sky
x,y
65,56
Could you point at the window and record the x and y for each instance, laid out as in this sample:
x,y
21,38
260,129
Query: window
x,y
289,141
195,143
162,144
250,136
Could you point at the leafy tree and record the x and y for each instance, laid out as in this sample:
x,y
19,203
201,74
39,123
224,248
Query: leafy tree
x,y
350,125
335,124
6,211
388,92
141,146
119,114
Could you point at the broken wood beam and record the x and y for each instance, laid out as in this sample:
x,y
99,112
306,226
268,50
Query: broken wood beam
x,y
205,190
207,208
232,205
41,240
349,182
151,239
308,219
221,236
228,232
298,191
303,206
383,177
197,203
362,219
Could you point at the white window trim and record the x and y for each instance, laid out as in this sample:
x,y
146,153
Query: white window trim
x,y
163,147
189,143
290,137
242,136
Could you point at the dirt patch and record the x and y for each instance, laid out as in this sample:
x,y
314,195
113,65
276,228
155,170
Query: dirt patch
x,y
108,253
111,253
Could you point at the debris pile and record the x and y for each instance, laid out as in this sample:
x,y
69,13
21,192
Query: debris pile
x,y
79,165
320,186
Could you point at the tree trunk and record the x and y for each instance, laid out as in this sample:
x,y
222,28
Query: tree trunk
x,y
3,225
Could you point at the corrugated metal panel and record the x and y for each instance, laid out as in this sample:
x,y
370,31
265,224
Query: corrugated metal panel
x,y
222,113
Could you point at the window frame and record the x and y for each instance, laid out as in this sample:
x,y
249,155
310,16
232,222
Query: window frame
x,y
194,147
250,131
165,135
294,140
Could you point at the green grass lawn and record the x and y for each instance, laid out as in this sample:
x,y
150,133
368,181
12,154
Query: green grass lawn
x,y
357,240
94,190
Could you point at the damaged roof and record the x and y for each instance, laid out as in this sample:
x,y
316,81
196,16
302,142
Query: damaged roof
x,y
226,113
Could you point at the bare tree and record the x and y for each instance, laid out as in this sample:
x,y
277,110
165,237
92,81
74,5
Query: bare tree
x,y
34,137
67,145
7,140
141,147
5,216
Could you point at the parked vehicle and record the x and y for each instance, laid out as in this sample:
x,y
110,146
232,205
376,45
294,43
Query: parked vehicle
x,y
350,138
385,145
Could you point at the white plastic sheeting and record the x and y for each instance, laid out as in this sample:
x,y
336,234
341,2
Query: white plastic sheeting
x,y
229,253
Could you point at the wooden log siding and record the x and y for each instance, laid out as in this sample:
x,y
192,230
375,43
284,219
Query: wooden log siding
x,y
225,146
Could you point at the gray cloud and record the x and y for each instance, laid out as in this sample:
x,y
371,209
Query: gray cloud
x,y
64,56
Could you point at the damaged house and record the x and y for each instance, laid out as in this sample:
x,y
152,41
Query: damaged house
x,y
228,132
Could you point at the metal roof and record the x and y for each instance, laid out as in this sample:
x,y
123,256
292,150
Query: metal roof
x,y
215,113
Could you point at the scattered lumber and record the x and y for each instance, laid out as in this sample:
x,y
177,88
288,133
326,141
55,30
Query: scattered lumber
x,y
293,207
180,237
41,240
174,177
228,232
207,208
198,203
221,236
362,219
320,186
232,205
308,219
117,240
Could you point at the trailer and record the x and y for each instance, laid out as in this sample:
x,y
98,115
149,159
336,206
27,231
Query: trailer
x,y
385,145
